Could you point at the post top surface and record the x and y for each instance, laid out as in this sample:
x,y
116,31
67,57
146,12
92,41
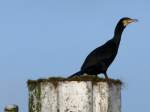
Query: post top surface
x,y
11,107
78,79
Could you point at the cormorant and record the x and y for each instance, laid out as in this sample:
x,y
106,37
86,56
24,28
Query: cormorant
x,y
100,59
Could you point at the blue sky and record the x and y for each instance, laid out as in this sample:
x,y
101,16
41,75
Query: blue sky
x,y
52,38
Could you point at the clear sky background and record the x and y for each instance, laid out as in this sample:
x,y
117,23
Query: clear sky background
x,y
43,38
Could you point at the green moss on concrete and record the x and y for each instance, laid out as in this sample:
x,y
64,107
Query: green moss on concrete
x,y
55,80
94,79
34,97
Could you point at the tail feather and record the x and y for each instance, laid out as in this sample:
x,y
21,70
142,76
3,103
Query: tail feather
x,y
76,74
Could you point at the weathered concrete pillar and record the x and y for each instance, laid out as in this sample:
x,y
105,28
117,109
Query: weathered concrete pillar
x,y
11,108
85,94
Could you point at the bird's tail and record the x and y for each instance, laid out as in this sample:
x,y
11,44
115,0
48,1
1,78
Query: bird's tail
x,y
76,74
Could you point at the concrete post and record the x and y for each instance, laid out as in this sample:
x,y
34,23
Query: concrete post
x,y
85,94
11,108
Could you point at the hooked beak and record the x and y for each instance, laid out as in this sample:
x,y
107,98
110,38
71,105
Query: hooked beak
x,y
128,21
132,20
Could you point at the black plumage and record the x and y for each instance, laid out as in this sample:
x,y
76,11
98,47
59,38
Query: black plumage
x,y
100,59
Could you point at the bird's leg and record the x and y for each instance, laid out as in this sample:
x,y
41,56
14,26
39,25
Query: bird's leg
x,y
95,77
107,79
106,76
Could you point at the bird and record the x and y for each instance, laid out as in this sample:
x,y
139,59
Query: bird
x,y
99,60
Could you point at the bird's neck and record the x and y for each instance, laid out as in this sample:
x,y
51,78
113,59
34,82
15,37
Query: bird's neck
x,y
117,34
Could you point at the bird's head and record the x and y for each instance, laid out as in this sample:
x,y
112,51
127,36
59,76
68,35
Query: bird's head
x,y
125,21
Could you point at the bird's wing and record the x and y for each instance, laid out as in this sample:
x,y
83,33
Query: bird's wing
x,y
100,54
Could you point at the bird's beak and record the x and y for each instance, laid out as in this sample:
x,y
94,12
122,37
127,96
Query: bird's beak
x,y
132,20
128,21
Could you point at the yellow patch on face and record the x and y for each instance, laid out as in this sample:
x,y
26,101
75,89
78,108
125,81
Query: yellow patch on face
x,y
126,22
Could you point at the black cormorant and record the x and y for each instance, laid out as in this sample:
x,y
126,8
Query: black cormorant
x,y
100,59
